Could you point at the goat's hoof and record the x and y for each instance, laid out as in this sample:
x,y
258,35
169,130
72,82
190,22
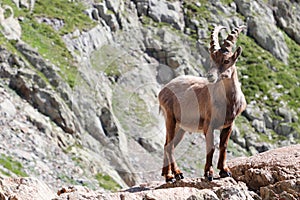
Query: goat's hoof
x,y
224,174
170,180
210,178
179,176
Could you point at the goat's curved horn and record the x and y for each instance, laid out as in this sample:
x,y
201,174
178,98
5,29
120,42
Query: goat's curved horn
x,y
214,39
231,39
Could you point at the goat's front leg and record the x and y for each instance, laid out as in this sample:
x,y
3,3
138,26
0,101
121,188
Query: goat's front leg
x,y
210,148
222,166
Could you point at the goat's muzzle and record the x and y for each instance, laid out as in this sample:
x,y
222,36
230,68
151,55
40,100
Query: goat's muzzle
x,y
211,77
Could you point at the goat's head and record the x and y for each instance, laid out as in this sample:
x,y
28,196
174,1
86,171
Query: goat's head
x,y
222,58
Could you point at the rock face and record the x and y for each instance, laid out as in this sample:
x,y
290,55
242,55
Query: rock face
x,y
287,16
262,27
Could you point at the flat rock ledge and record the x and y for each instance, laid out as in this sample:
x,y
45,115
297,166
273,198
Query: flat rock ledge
x,y
190,189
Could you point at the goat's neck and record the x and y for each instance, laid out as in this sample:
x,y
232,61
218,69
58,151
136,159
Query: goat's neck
x,y
233,87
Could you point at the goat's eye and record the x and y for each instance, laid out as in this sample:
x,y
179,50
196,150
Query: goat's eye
x,y
226,62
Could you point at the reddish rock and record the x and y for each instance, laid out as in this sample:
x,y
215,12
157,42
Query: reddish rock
x,y
272,174
24,189
195,188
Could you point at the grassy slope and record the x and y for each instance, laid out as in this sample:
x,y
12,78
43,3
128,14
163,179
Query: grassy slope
x,y
45,39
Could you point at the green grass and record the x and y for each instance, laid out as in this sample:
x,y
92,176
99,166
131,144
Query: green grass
x,y
197,12
51,47
227,1
106,182
71,13
267,76
48,41
10,164
67,179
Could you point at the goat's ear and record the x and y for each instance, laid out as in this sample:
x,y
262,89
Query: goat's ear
x,y
237,53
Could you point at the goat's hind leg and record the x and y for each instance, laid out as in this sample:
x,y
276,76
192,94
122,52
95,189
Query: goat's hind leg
x,y
166,170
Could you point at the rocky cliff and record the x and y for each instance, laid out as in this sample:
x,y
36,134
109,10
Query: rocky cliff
x,y
79,84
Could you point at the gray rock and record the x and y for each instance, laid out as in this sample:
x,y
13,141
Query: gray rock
x,y
48,69
114,5
56,24
109,18
46,101
269,37
287,15
162,11
86,42
122,166
286,114
237,138
142,7
284,129
8,108
37,119
146,144
252,150
259,125
263,146
10,26
253,112
268,121
164,74
262,27
109,126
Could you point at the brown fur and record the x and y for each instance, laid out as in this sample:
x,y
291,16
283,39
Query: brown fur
x,y
196,104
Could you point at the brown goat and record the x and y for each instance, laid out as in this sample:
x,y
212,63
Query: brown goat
x,y
194,104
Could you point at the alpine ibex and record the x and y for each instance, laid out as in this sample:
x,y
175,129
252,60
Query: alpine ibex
x,y
194,104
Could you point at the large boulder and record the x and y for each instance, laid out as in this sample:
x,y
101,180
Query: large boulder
x,y
274,173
